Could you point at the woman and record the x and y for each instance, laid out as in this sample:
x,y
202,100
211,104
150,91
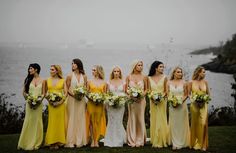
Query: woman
x,y
157,81
55,135
115,133
178,113
31,136
96,118
76,109
199,118
136,130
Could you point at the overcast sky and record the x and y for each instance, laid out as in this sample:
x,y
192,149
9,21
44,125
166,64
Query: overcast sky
x,y
204,22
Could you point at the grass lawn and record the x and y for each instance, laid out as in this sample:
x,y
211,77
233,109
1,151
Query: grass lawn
x,y
221,140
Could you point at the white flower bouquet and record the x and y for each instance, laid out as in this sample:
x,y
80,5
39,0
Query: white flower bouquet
x,y
79,92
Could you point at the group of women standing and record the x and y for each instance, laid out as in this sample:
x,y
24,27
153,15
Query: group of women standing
x,y
76,123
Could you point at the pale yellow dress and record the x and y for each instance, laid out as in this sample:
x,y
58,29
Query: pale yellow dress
x,y
136,129
199,122
76,117
31,136
159,133
96,115
56,132
178,120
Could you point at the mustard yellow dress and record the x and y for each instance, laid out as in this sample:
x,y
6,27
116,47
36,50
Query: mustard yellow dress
x,y
56,132
159,131
96,115
31,136
199,122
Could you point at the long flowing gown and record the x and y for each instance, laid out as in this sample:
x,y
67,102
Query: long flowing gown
x,y
31,136
199,123
76,117
136,129
115,133
56,132
96,115
159,133
178,120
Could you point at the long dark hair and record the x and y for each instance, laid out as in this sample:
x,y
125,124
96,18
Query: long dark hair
x,y
153,67
79,64
29,77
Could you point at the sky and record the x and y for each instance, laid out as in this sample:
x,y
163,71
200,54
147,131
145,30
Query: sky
x,y
203,22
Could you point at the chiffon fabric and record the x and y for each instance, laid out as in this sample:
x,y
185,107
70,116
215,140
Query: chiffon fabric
x,y
96,115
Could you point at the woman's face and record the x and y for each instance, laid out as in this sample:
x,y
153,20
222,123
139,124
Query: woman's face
x,y
32,71
139,67
74,66
94,71
53,71
202,74
160,68
178,74
116,72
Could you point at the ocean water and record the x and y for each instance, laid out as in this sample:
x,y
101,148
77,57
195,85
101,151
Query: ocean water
x,y
15,60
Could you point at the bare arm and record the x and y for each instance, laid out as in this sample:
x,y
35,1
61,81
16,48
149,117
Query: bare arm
x,y
126,84
189,88
145,85
207,88
185,96
165,85
68,83
85,80
167,89
43,88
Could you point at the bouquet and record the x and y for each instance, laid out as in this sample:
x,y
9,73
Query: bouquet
x,y
97,98
115,100
54,97
174,101
201,98
135,93
155,96
80,92
34,101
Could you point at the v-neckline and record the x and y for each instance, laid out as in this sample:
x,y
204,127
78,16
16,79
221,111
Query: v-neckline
x,y
77,81
158,81
55,83
37,84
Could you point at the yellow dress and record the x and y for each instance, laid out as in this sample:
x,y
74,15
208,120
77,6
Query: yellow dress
x,y
56,117
96,115
159,133
199,123
31,136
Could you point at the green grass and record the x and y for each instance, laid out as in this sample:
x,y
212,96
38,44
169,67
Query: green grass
x,y
221,140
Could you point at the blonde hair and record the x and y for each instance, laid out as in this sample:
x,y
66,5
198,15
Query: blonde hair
x,y
134,64
59,71
112,74
100,71
196,72
173,72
